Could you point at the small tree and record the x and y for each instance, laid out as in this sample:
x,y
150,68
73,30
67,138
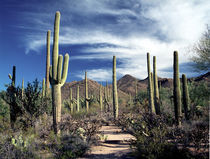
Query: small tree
x,y
202,51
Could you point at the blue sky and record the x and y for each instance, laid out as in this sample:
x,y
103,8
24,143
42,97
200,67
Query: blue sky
x,y
93,31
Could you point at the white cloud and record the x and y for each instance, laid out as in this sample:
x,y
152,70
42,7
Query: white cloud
x,y
97,74
175,25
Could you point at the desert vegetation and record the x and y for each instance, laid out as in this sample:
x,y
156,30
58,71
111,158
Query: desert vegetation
x,y
169,118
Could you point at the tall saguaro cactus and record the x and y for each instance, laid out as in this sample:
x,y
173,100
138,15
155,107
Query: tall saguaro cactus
x,y
100,98
177,93
48,63
78,100
150,90
56,80
185,96
114,87
86,93
71,101
156,90
12,90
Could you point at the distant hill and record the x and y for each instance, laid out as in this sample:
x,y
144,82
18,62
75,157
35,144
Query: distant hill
x,y
93,89
126,85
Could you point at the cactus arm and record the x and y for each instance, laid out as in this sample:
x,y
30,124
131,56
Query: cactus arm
x,y
50,74
60,63
48,62
65,69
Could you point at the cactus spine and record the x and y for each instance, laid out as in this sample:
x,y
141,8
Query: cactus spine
x,y
48,64
150,85
185,96
156,90
43,88
78,100
86,93
177,93
56,80
115,95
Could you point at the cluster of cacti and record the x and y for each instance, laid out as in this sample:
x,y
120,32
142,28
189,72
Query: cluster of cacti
x,y
150,87
156,90
114,88
107,96
177,92
56,79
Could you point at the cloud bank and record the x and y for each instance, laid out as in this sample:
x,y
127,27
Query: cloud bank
x,y
127,29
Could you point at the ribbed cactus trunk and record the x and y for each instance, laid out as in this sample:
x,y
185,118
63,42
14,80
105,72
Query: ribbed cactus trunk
x,y
156,90
56,79
108,96
114,85
101,98
12,91
47,76
43,88
22,89
86,93
150,85
177,92
78,99
71,101
185,97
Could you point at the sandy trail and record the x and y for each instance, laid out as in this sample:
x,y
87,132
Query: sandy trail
x,y
114,145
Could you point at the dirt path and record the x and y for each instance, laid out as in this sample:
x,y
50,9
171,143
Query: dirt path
x,y
114,145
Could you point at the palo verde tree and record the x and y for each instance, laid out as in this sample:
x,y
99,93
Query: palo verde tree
x,y
202,52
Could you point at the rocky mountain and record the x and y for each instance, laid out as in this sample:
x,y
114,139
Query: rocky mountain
x,y
126,85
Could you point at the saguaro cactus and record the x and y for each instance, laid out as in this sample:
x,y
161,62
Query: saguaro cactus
x,y
185,96
48,63
177,93
150,85
71,101
11,90
56,80
86,93
156,90
43,87
13,76
100,98
22,89
78,100
114,87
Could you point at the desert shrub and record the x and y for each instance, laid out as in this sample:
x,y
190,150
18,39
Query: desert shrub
x,y
12,147
199,93
27,108
157,138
